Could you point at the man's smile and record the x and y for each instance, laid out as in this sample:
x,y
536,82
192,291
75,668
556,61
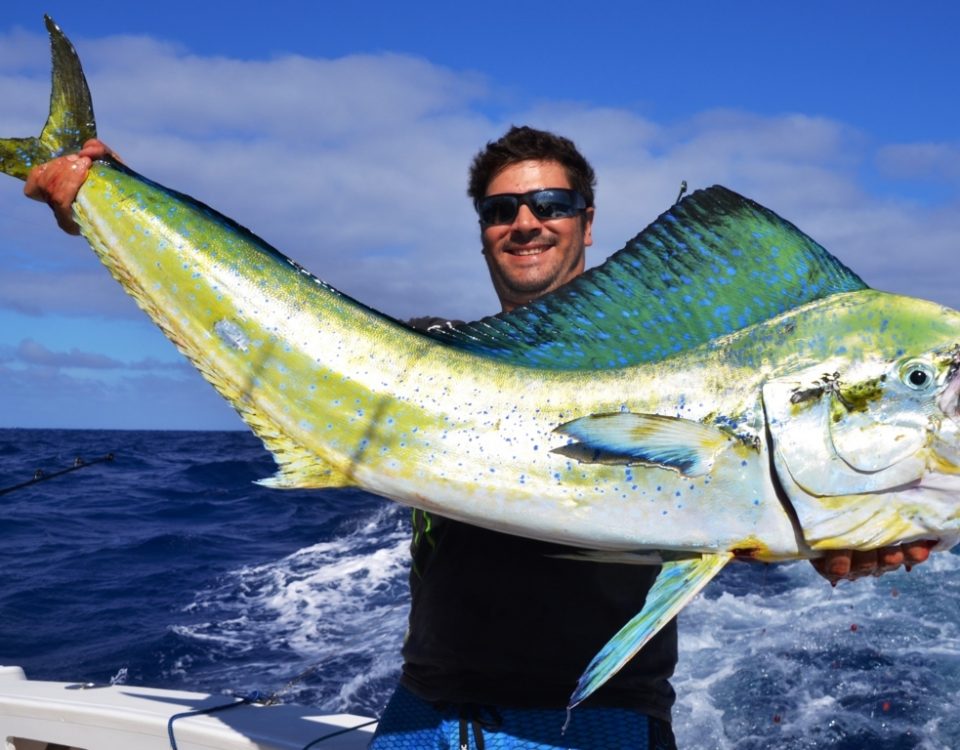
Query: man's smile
x,y
528,249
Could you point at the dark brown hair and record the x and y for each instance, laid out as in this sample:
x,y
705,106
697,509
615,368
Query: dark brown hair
x,y
525,144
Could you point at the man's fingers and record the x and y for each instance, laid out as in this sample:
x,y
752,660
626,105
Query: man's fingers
x,y
863,563
890,556
94,149
888,559
834,565
57,183
915,553
837,565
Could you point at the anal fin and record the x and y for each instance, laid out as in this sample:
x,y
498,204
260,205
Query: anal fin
x,y
298,467
679,581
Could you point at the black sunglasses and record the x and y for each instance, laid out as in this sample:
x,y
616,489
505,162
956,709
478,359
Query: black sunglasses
x,y
549,203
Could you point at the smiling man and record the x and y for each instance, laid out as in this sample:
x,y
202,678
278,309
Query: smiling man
x,y
500,626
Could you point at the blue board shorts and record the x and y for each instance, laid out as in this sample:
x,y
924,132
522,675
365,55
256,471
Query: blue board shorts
x,y
409,723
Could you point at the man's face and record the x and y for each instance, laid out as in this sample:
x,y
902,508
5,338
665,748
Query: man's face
x,y
529,256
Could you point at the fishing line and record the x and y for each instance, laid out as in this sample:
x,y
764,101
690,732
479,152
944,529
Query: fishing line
x,y
275,698
277,695
259,699
41,476
338,733
242,700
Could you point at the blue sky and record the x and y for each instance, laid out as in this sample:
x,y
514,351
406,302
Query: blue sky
x,y
342,136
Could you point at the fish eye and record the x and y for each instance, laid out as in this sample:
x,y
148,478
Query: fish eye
x,y
918,375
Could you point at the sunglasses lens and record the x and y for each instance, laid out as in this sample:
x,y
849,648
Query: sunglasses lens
x,y
499,209
551,203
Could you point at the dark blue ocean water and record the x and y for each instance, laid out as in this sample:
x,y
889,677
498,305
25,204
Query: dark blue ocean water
x,y
169,567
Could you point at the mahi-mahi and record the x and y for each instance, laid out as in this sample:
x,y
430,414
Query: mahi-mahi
x,y
722,386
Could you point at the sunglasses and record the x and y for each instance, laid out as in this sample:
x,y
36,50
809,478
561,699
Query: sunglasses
x,y
549,203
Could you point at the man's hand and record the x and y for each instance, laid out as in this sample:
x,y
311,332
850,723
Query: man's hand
x,y
58,181
838,565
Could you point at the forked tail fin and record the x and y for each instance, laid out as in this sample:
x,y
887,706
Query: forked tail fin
x,y
70,122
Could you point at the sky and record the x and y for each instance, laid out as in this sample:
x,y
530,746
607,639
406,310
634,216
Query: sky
x,y
341,133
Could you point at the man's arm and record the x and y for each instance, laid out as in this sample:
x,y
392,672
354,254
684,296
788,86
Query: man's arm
x,y
58,181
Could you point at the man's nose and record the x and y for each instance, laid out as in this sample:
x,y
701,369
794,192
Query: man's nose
x,y
526,220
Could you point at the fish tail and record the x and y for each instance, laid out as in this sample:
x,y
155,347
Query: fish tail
x,y
70,122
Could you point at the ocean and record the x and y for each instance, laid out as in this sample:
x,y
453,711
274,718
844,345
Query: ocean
x,y
168,566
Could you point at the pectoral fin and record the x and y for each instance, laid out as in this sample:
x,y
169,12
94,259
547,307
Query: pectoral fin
x,y
623,437
676,585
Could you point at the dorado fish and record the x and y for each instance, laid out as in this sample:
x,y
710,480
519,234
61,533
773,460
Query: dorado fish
x,y
720,387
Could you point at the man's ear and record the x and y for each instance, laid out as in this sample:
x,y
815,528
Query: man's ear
x,y
587,220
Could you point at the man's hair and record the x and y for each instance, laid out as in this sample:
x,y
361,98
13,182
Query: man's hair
x,y
529,144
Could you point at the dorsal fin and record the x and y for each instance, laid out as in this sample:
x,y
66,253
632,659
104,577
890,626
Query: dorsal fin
x,y
714,263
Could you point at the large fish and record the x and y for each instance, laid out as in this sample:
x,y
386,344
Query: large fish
x,y
720,387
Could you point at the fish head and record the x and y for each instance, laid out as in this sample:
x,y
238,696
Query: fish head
x,y
866,441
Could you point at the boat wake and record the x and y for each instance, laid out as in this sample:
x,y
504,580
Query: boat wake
x,y
323,625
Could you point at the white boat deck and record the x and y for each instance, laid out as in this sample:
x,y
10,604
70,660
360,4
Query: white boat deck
x,y
38,715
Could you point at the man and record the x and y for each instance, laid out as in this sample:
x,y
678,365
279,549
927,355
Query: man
x,y
500,628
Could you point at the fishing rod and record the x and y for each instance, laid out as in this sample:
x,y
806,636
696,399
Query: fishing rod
x,y
41,476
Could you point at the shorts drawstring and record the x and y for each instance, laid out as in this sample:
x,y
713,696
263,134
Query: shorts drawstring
x,y
479,718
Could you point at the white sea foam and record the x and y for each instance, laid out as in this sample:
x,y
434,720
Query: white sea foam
x,y
797,664
335,612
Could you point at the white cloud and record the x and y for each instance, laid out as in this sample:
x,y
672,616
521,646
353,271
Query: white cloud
x,y
139,83
922,161
31,352
50,397
24,52
64,291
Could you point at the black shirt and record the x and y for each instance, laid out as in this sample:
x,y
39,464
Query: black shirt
x,y
498,620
